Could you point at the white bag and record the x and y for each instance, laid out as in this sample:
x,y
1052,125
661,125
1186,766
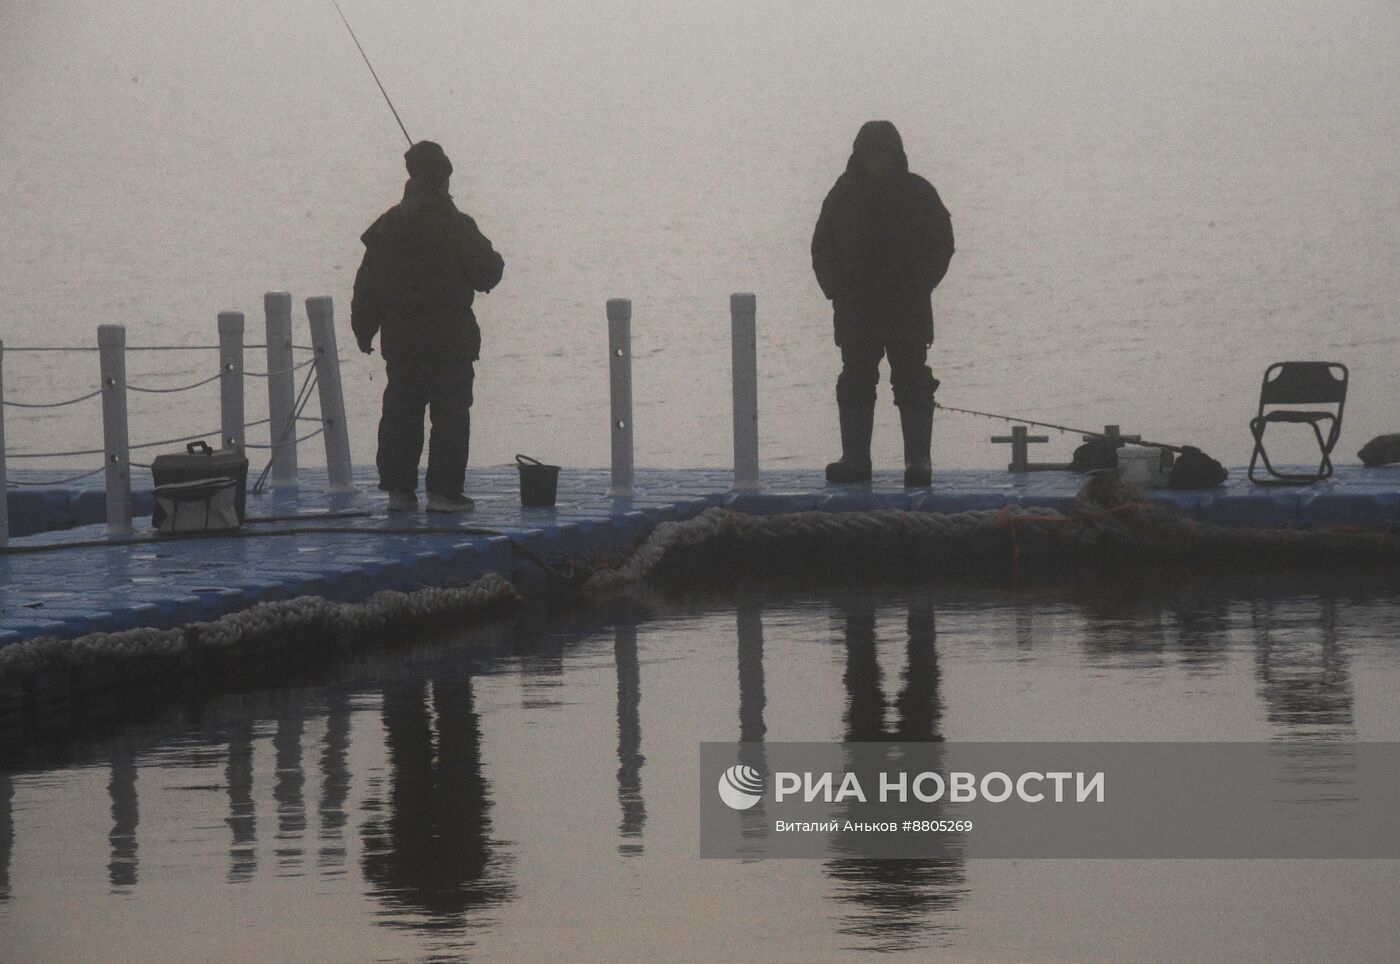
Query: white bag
x,y
198,505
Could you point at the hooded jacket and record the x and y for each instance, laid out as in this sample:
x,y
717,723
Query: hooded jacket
x,y
424,260
881,245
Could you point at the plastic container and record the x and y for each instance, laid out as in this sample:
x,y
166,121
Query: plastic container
x,y
1141,465
539,483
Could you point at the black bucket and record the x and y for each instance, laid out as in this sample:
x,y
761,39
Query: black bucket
x,y
538,482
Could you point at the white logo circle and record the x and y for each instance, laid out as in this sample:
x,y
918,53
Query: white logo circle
x,y
740,787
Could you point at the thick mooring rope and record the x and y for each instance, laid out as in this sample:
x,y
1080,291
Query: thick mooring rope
x,y
1130,530
169,648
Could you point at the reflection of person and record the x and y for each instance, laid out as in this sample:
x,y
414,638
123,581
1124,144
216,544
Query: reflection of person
x,y
431,853
894,902
882,244
423,262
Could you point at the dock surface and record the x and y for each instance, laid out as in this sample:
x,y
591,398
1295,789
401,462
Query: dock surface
x,y
89,583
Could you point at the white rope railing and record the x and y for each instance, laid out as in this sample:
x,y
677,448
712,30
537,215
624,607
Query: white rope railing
x,y
299,438
181,388
62,404
285,371
46,483
286,440
130,348
66,348
55,455
285,405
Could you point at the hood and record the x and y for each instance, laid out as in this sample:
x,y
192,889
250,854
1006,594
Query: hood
x,y
873,134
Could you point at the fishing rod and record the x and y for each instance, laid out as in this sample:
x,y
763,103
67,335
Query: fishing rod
x,y
1061,428
371,70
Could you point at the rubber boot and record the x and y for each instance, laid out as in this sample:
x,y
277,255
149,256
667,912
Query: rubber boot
x,y
917,425
857,424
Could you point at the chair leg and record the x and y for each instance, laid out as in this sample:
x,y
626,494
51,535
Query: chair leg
x,y
1324,470
1256,426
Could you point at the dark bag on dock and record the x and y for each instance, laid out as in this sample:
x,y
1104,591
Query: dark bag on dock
x,y
1195,469
1093,455
199,490
1381,450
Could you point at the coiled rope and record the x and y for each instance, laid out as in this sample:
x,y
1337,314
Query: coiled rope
x,y
281,620
1128,530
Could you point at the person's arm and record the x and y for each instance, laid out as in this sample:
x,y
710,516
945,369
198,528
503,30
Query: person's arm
x,y
937,238
365,310
826,250
482,263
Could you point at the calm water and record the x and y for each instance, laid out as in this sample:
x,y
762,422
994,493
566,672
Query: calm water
x,y
1152,201
527,791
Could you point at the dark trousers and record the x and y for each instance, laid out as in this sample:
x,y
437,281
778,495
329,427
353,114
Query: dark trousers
x,y
445,390
911,379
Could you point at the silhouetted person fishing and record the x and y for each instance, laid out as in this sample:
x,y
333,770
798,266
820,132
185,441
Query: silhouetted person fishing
x,y
882,244
424,261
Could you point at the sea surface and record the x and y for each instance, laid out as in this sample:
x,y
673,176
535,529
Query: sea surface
x,y
1152,202
528,791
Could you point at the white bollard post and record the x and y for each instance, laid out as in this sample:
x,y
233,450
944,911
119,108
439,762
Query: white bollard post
x,y
4,487
744,368
231,379
111,349
620,373
338,469
281,389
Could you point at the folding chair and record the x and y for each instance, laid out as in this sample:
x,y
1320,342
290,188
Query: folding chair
x,y
1298,384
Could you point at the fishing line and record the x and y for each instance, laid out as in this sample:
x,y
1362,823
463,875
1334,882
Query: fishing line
x,y
371,70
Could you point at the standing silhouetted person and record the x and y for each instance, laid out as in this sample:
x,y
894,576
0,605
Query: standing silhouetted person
x,y
424,260
882,244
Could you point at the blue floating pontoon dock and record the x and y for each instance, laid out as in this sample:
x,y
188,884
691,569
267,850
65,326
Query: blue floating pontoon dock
x,y
163,583
82,560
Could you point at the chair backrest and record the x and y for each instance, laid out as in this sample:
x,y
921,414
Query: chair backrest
x,y
1304,383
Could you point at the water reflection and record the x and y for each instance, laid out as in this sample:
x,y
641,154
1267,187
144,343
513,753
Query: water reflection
x,y
753,700
1202,632
287,793
335,784
629,738
918,703
752,697
7,832
121,787
893,904
1302,670
428,853
1306,689
242,817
